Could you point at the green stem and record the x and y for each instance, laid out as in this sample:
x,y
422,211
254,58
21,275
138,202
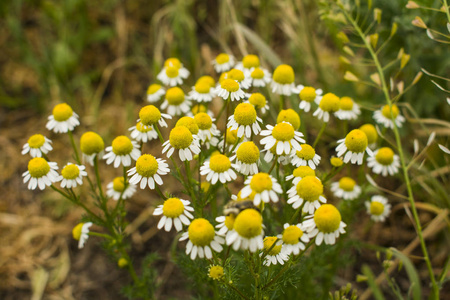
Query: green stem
x,y
161,139
227,104
281,102
97,176
324,124
72,141
235,289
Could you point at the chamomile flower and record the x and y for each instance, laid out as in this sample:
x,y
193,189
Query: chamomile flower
x,y
230,88
346,188
208,79
247,158
37,145
218,168
348,109
223,62
91,145
294,239
271,153
184,141
231,140
259,102
225,224
175,212
328,104
63,119
307,96
117,187
326,225
289,115
202,238
283,136
81,233
238,75
143,133
189,123
378,208
299,173
122,151
306,156
283,81
148,170
275,254
173,72
72,175
259,77
176,102
307,192
215,272
206,127
200,108
371,133
250,61
264,186
383,116
150,116
353,146
40,173
244,120
202,92
384,162
155,92
247,231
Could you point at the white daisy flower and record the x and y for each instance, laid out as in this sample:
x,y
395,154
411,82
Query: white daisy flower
x,y
306,156
202,92
270,155
384,162
243,79
275,254
40,173
155,92
249,62
202,238
328,104
176,102
175,211
348,109
218,168
283,81
326,225
353,146
173,73
37,145
378,208
244,120
299,173
223,62
116,188
259,77
122,151
259,101
148,170
143,133
72,175
247,231
184,141
81,233
294,239
230,88
283,136
206,127
92,146
307,192
247,158
308,95
63,119
371,133
225,225
264,187
346,188
383,116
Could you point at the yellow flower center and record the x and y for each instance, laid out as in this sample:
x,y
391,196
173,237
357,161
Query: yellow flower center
x,y
62,112
180,137
232,136
36,141
216,272
189,123
250,61
356,141
38,167
303,171
385,156
290,116
122,263
146,165
284,74
222,58
308,94
70,172
307,152
370,132
329,102
245,114
208,79
346,103
292,235
336,162
118,184
173,208
153,88
219,163
230,85
122,145
172,62
283,132
268,243
257,74
175,96
149,115
347,184
76,231
261,182
198,108
172,72
202,87
141,128
229,221
386,111
203,121
236,74
258,100
248,223
327,218
91,142
376,208
248,153
309,188
201,232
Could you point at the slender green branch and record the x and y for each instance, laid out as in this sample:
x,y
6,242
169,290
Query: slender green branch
x,y
324,125
72,141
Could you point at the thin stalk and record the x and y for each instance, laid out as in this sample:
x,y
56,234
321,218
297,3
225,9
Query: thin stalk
x,y
226,120
324,124
72,141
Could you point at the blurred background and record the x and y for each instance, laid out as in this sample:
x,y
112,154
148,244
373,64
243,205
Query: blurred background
x,y
100,57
